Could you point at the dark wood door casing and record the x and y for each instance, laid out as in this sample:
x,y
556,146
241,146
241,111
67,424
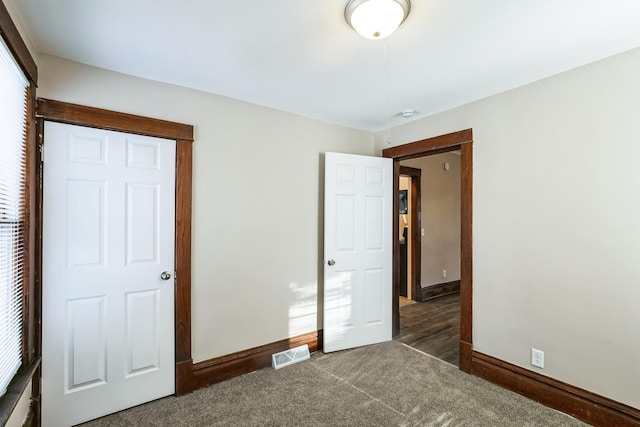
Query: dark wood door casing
x,y
63,112
463,141
416,224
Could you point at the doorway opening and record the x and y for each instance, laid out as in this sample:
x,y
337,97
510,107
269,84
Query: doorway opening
x,y
461,141
430,235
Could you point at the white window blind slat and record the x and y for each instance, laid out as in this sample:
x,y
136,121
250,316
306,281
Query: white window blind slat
x,y
13,101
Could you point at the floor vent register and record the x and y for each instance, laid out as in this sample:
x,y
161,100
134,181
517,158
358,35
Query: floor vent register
x,y
289,357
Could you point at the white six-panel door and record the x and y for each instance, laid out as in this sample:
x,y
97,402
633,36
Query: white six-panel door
x,y
357,250
108,235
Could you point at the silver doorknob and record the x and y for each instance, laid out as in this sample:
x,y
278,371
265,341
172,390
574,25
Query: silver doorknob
x,y
331,262
165,275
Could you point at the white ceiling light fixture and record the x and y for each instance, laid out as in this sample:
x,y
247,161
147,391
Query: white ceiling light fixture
x,y
376,19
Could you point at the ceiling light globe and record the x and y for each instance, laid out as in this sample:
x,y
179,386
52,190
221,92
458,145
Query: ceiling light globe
x,y
376,19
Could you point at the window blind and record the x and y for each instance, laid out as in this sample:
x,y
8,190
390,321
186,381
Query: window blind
x,y
13,114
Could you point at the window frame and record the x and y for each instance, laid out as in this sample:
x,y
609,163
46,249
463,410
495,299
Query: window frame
x,y
29,370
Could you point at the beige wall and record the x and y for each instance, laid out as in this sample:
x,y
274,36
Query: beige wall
x,y
556,241
255,242
440,203
21,411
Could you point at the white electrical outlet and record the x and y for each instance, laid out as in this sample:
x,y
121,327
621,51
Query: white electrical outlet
x,y
537,358
444,273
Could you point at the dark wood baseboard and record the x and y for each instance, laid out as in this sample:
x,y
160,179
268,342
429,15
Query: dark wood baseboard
x,y
581,404
223,368
439,290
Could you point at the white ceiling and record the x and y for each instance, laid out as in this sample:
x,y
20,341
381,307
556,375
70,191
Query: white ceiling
x,y
301,56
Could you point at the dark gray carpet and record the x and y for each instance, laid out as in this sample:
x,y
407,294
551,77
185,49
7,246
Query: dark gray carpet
x,y
386,384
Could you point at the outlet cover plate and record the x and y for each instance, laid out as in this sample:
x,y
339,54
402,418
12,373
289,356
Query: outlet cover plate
x,y
537,358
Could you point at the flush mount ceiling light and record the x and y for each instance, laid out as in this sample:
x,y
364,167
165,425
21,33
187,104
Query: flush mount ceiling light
x,y
376,19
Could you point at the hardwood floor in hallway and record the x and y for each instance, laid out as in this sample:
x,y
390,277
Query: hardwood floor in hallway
x,y
433,327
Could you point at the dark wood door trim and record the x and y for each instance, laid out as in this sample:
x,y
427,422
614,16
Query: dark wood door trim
x,y
74,114
463,141
395,260
416,238
63,112
429,146
466,255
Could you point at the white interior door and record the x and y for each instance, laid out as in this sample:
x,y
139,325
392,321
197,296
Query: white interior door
x,y
108,235
357,250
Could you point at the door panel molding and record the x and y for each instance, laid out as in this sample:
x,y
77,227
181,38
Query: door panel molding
x,y
75,114
463,141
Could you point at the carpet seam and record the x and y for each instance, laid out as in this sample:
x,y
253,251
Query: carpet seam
x,y
427,354
361,391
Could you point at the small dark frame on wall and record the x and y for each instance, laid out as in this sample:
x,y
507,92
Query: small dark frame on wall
x,y
404,206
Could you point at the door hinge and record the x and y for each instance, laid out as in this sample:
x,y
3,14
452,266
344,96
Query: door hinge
x,y
41,148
